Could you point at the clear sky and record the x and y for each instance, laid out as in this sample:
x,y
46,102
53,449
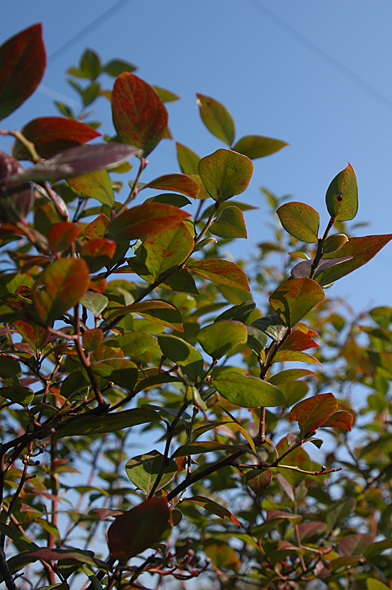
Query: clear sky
x,y
315,74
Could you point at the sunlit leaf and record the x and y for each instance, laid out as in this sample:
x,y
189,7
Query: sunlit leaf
x,y
230,224
187,159
341,419
216,118
61,235
218,338
257,146
220,271
225,174
98,252
143,220
295,298
248,392
180,183
342,195
300,220
312,412
96,185
168,248
334,243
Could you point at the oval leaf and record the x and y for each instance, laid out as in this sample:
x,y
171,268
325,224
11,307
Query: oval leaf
x,y
220,271
342,195
300,220
22,65
61,235
139,115
220,337
144,469
51,135
312,412
180,183
216,118
256,146
95,184
143,220
248,392
167,249
183,354
230,224
60,286
295,298
225,173
137,529
187,159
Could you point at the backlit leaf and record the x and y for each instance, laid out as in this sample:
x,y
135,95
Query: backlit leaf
x,y
290,356
341,419
22,65
295,298
256,146
17,393
137,529
144,469
248,392
160,312
96,185
216,118
51,135
97,228
167,249
258,480
220,337
225,174
300,220
297,340
143,220
61,235
115,67
98,252
139,115
342,195
92,339
230,224
187,159
94,302
220,271
289,375
180,183
312,412
213,507
298,458
183,354
304,269
60,286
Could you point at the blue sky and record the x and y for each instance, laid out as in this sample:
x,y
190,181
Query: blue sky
x,y
315,74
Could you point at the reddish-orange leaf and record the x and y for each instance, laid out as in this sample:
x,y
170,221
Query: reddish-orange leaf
x,y
97,228
61,235
297,340
294,298
145,220
220,271
97,284
60,286
22,64
341,418
139,115
98,252
180,183
52,135
92,339
137,529
311,413
34,334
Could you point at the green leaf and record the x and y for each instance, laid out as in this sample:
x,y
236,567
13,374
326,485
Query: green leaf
x,y
272,326
166,95
17,393
144,469
134,344
289,375
225,174
167,249
312,412
94,302
107,423
90,64
199,448
295,298
360,249
95,184
296,458
122,372
51,135
220,337
300,220
60,286
183,354
258,480
239,312
115,67
216,118
137,529
342,195
159,312
230,224
248,392
373,584
290,356
22,65
220,271
213,507
144,220
334,243
256,146
257,340
139,115
187,159
180,183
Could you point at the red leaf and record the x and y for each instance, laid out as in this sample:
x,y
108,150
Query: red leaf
x,y
341,419
51,135
139,115
98,252
92,339
137,529
297,340
61,235
34,334
97,228
22,65
312,412
294,298
220,271
180,183
144,220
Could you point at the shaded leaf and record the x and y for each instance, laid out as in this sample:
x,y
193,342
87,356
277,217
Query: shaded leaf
x,y
304,269
295,298
60,286
289,375
180,183
17,393
137,529
160,312
355,544
187,159
334,243
139,115
115,67
183,354
143,220
248,392
51,135
298,458
22,65
342,195
309,529
199,448
341,419
272,326
220,337
220,271
92,339
216,118
230,224
144,469
312,412
257,146
96,185
94,302
258,480
300,220
225,174
213,507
